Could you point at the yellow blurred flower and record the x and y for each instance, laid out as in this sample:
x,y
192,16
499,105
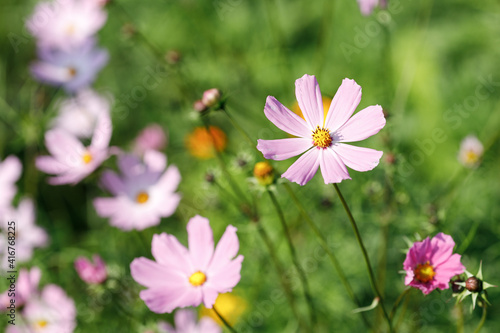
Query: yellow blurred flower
x,y
230,307
264,173
202,143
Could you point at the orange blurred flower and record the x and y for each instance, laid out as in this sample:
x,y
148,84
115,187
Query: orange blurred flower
x,y
202,143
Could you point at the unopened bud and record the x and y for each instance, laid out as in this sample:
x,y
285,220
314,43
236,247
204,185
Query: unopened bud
x,y
264,173
173,57
474,284
199,106
211,97
456,287
209,177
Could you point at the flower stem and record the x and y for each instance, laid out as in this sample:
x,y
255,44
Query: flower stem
x,y
331,255
302,275
397,302
365,256
239,128
229,327
483,319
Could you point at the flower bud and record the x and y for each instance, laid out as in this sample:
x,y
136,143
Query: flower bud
x,y
92,273
456,287
173,57
473,284
209,177
211,97
199,106
264,173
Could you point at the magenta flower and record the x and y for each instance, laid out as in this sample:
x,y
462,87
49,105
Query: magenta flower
x,y
323,140
367,6
182,277
71,161
143,194
73,70
185,322
66,24
50,312
430,264
10,171
26,288
92,273
152,137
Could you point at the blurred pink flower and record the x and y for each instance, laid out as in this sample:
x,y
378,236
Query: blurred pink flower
x,y
186,322
471,151
92,273
152,137
143,194
321,139
78,115
28,235
211,97
430,264
70,160
50,312
66,24
367,6
26,288
10,171
73,70
180,277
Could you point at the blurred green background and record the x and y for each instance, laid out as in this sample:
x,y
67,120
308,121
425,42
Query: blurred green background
x,y
423,61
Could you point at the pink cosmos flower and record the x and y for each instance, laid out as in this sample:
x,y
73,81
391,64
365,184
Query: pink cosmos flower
x,y
78,115
143,194
430,264
323,140
151,137
10,171
92,273
50,312
71,161
26,288
471,151
66,24
185,322
367,6
180,277
73,70
28,235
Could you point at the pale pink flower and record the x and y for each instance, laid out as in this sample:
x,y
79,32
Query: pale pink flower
x,y
180,277
323,140
28,235
211,97
66,24
471,151
73,70
92,273
71,161
26,287
143,193
186,322
152,137
50,312
431,264
367,6
10,171
78,115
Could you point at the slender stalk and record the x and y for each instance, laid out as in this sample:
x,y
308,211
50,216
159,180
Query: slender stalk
x,y
460,320
229,327
302,275
398,301
483,319
365,256
239,128
331,255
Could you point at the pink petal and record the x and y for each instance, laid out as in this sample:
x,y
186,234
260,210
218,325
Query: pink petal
x,y
184,319
170,253
302,170
332,168
112,182
10,169
310,100
344,103
102,132
362,125
166,299
209,296
227,277
155,160
226,249
151,274
285,119
201,242
50,165
358,158
64,147
70,178
282,149
130,165
170,180
170,204
442,246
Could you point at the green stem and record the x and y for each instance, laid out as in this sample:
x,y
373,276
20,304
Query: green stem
x,y
398,301
365,256
483,319
239,128
224,320
460,320
302,275
331,255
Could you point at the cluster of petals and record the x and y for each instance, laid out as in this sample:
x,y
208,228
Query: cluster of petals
x,y
367,6
26,287
431,264
152,137
321,140
182,277
91,272
142,194
70,160
186,322
10,171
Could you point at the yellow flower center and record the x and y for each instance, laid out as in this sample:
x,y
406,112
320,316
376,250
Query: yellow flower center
x,y
41,324
72,71
198,279
87,158
322,138
142,197
471,157
424,272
